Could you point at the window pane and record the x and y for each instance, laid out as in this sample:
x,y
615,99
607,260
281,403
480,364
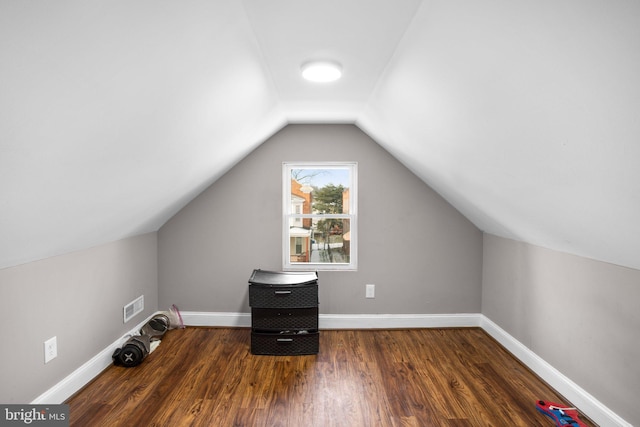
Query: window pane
x,y
328,241
327,190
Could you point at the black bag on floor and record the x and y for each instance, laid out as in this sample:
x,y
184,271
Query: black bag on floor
x,y
136,348
133,351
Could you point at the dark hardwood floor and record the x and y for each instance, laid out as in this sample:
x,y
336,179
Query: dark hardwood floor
x,y
414,377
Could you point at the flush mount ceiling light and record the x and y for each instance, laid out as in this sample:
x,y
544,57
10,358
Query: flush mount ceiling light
x,y
321,71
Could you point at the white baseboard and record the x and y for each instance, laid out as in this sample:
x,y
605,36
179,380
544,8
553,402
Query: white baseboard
x,y
343,321
578,397
220,319
85,373
589,405
395,321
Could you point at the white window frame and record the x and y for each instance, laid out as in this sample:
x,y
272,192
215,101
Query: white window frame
x,y
287,216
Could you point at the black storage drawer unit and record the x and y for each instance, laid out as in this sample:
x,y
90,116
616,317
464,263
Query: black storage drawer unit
x,y
284,312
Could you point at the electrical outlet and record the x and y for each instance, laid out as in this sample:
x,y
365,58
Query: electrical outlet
x,y
50,349
370,291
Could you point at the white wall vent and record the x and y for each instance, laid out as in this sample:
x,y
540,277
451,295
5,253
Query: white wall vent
x,y
133,308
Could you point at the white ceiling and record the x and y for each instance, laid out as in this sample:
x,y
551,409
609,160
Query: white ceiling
x,y
361,35
524,115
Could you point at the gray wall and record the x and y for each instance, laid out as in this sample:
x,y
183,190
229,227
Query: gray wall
x,y
579,315
422,254
77,297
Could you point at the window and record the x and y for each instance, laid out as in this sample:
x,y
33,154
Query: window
x,y
319,216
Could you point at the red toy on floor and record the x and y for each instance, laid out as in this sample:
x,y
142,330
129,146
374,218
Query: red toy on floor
x,y
560,414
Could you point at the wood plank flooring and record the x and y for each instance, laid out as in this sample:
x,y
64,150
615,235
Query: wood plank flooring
x,y
414,377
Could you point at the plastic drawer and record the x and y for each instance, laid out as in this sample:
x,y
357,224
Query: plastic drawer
x,y
285,344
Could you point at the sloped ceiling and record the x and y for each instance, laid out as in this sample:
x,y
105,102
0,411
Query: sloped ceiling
x,y
524,115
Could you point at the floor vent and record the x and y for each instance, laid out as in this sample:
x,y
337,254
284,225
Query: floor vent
x,y
134,307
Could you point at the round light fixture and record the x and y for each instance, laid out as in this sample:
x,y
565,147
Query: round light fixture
x,y
321,71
